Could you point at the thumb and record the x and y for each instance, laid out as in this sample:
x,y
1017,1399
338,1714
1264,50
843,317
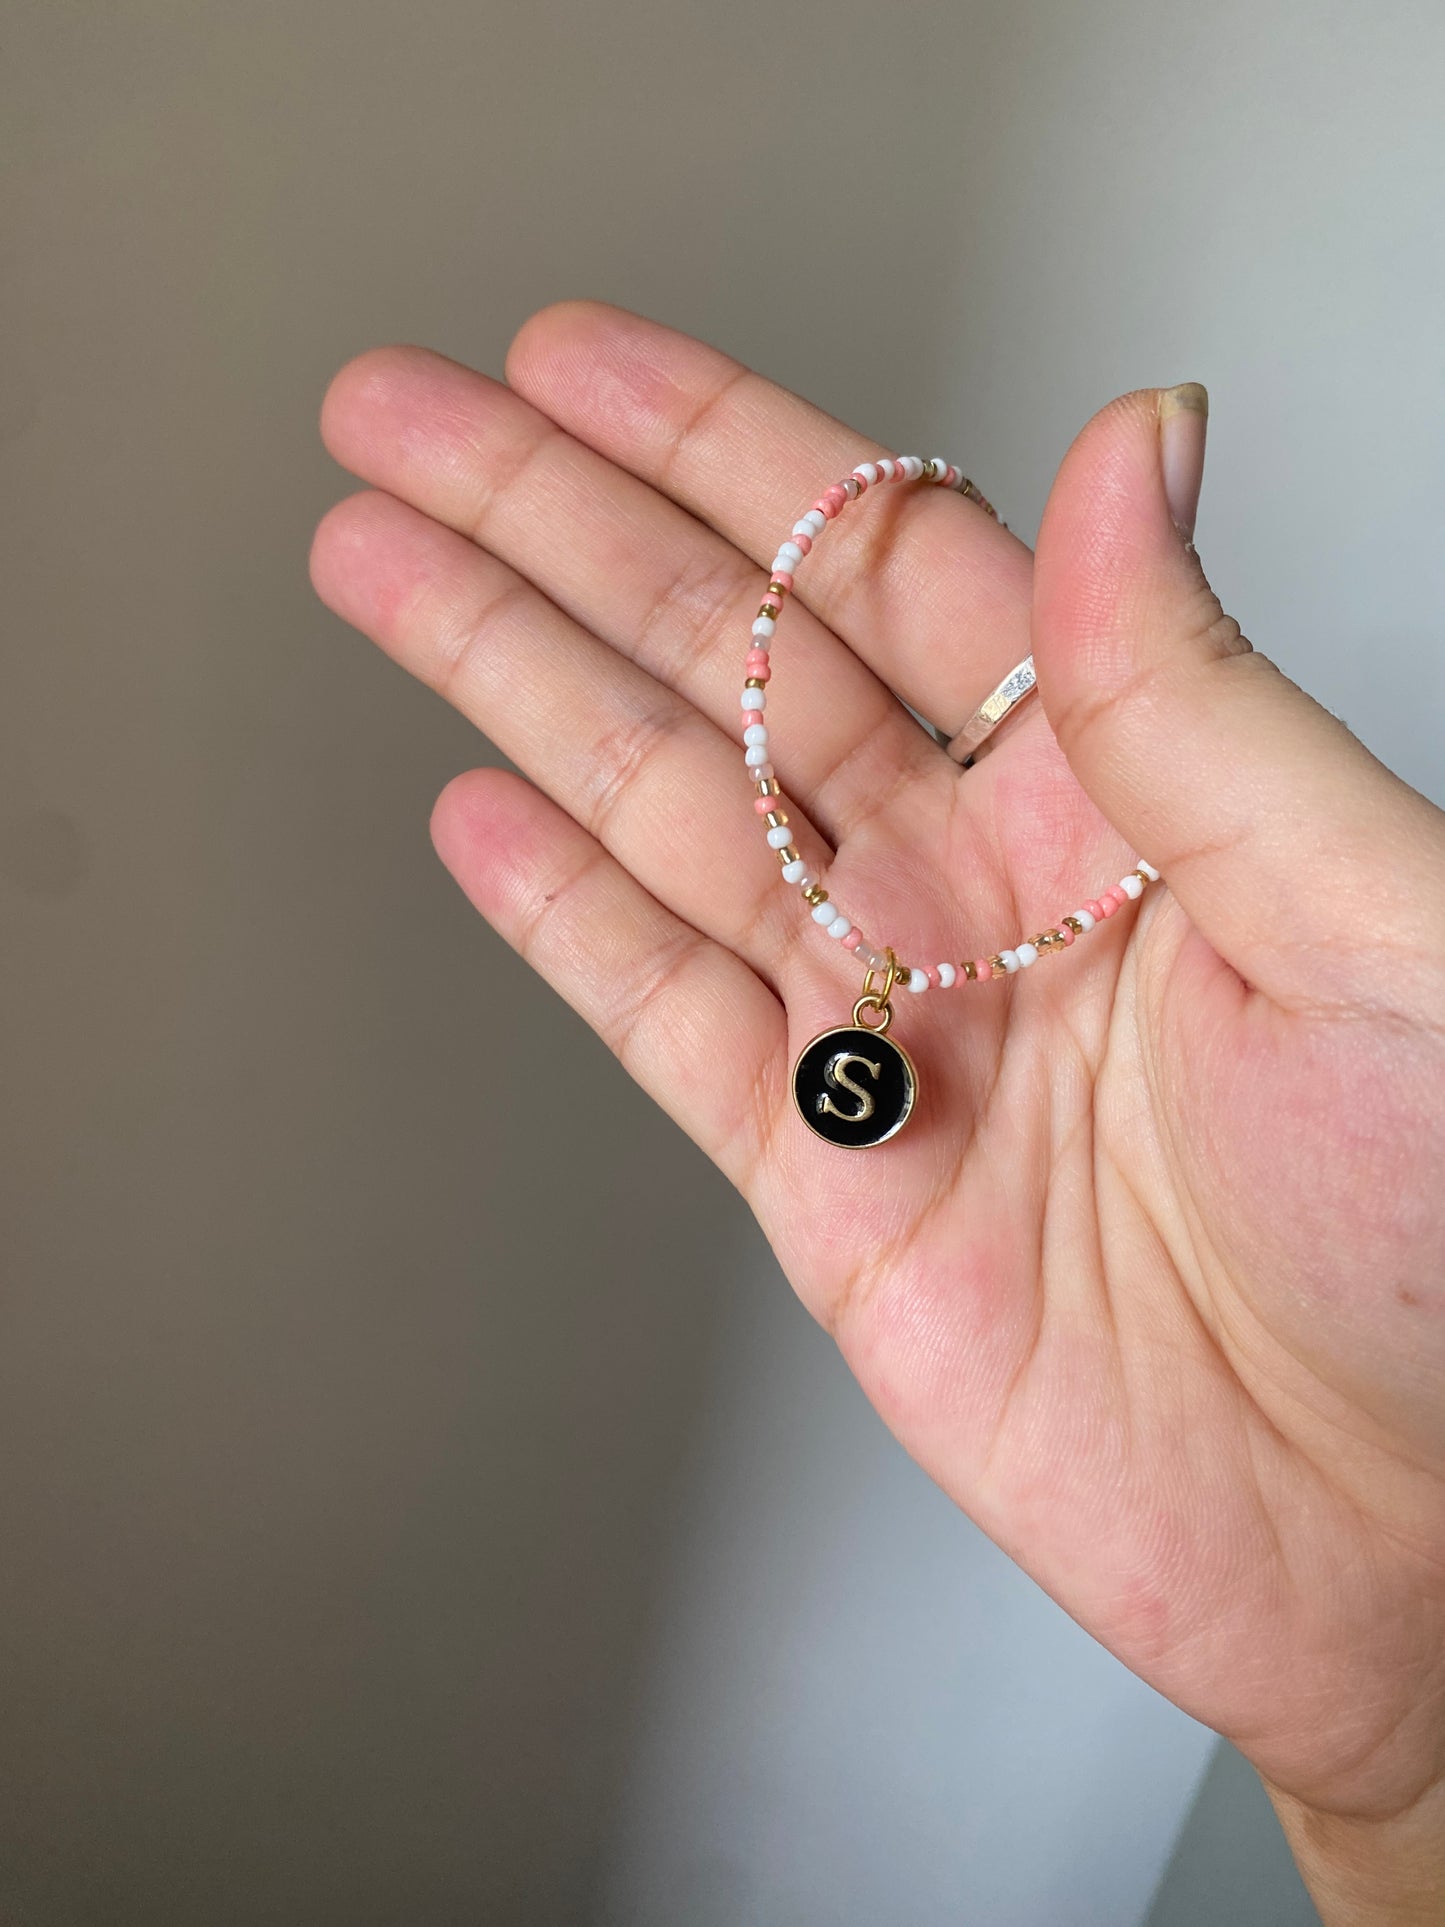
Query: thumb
x,y
1295,852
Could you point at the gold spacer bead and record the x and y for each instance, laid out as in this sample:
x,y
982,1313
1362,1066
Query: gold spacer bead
x,y
1142,878
1075,925
787,855
970,971
930,470
776,819
770,786
816,894
777,588
769,609
755,682
1048,940
995,966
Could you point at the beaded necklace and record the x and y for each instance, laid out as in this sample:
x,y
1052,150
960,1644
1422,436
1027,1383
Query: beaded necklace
x,y
853,1085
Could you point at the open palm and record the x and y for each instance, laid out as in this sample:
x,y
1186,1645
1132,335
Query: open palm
x,y
1151,1283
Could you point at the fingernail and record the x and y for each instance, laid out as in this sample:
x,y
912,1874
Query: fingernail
x,y
1183,415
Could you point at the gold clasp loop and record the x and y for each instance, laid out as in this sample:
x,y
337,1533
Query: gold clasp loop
x,y
889,980
878,999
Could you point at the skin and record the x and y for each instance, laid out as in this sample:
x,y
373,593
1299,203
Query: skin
x,y
1153,1282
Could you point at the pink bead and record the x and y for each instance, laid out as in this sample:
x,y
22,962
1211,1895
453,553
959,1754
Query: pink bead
x,y
853,939
836,489
758,671
1107,904
759,658
951,477
1094,908
782,577
935,981
764,804
829,506
982,966
1066,932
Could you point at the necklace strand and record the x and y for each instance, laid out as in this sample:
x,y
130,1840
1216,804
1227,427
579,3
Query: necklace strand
x,y
768,802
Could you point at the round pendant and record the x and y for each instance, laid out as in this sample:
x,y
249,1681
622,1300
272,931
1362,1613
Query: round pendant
x,y
853,1086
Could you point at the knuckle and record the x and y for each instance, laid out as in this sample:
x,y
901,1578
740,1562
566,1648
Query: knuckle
x,y
626,756
463,639
699,601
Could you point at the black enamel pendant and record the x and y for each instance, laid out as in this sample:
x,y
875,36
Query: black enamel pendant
x,y
853,1086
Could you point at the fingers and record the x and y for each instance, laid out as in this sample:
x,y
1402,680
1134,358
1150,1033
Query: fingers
x,y
922,584
1269,820
621,559
674,1008
652,780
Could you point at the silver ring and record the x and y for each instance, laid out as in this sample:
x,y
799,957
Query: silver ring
x,y
1019,683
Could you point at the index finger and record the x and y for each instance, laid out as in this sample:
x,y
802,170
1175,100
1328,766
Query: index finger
x,y
928,589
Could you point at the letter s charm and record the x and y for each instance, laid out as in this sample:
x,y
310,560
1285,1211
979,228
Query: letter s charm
x,y
836,1074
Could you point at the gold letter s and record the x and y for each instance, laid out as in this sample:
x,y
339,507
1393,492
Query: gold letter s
x,y
836,1074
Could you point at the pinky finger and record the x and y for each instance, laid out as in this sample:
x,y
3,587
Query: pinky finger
x,y
672,1005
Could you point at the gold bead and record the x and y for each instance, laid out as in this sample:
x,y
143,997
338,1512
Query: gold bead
x,y
970,971
770,786
930,469
816,894
776,819
777,588
754,682
1075,925
787,855
769,609
996,967
1142,878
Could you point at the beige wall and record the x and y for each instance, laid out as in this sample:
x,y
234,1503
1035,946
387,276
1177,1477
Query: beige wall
x,y
410,1464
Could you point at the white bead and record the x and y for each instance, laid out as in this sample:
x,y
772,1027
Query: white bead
x,y
755,699
1131,886
911,466
1009,960
756,756
1083,917
839,928
755,733
780,838
795,871
814,522
867,472
801,527
791,551
947,976
1026,954
823,913
1148,869
917,981
764,626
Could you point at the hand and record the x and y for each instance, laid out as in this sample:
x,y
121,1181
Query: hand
x,y
1152,1283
